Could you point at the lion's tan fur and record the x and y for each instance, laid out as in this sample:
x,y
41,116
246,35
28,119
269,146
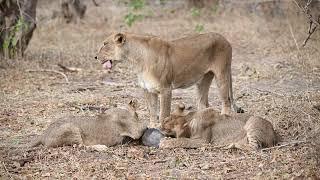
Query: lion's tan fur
x,y
109,128
209,126
162,66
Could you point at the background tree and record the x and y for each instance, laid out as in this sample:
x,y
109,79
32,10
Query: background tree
x,y
17,23
73,10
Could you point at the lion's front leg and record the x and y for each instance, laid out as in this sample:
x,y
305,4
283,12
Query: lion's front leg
x,y
165,103
152,102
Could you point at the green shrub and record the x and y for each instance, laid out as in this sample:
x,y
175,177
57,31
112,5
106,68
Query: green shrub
x,y
130,18
199,28
195,12
135,6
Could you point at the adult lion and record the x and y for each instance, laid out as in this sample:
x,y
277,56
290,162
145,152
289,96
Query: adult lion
x,y
162,66
196,128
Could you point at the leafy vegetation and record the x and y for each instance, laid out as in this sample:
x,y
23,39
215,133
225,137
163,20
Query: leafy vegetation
x,y
130,18
10,42
135,7
199,28
195,12
137,4
214,8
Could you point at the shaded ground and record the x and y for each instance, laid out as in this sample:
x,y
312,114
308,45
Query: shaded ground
x,y
272,78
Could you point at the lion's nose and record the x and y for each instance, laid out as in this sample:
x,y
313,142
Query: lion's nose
x,y
96,57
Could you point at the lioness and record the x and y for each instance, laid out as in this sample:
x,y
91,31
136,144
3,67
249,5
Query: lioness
x,y
195,128
162,66
109,128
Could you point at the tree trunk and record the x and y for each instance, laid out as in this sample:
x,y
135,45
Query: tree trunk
x,y
73,10
17,23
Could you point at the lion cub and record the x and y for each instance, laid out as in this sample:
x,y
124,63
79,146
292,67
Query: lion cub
x,y
109,128
195,128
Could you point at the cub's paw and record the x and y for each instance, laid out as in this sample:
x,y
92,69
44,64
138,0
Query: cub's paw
x,y
154,125
165,143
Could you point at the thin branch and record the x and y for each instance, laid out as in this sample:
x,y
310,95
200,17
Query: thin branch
x,y
95,3
293,37
18,4
312,21
309,16
52,71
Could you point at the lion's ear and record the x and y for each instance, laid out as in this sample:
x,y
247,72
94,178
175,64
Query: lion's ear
x,y
119,38
180,108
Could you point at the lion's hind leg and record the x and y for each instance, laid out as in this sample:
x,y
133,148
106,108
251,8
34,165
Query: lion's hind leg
x,y
260,133
203,87
66,134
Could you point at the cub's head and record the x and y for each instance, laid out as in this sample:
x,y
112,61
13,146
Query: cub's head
x,y
112,51
177,124
128,122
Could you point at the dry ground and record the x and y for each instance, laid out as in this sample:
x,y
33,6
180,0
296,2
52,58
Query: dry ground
x,y
273,78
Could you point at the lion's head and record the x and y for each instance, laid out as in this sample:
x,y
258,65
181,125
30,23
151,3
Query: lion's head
x,y
112,50
177,124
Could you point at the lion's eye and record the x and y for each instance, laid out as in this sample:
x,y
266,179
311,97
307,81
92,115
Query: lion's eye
x,y
105,43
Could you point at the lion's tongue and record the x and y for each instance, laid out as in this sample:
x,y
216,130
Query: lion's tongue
x,y
107,65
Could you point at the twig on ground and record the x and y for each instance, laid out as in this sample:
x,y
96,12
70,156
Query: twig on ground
x,y
283,145
267,91
69,69
5,168
160,161
52,71
307,114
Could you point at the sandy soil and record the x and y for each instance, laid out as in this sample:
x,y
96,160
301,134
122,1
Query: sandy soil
x,y
273,78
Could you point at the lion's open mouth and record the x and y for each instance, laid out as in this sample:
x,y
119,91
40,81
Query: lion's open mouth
x,y
107,64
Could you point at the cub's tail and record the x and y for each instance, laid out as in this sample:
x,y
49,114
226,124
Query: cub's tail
x,y
35,142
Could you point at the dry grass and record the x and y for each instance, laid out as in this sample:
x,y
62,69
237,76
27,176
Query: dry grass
x,y
272,78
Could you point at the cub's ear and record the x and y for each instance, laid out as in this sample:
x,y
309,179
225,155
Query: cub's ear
x,y
133,104
179,108
190,115
119,38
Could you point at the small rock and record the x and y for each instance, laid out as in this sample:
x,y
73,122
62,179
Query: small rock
x,y
151,137
46,175
205,166
99,147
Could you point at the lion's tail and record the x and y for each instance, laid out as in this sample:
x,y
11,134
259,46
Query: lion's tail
x,y
234,106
